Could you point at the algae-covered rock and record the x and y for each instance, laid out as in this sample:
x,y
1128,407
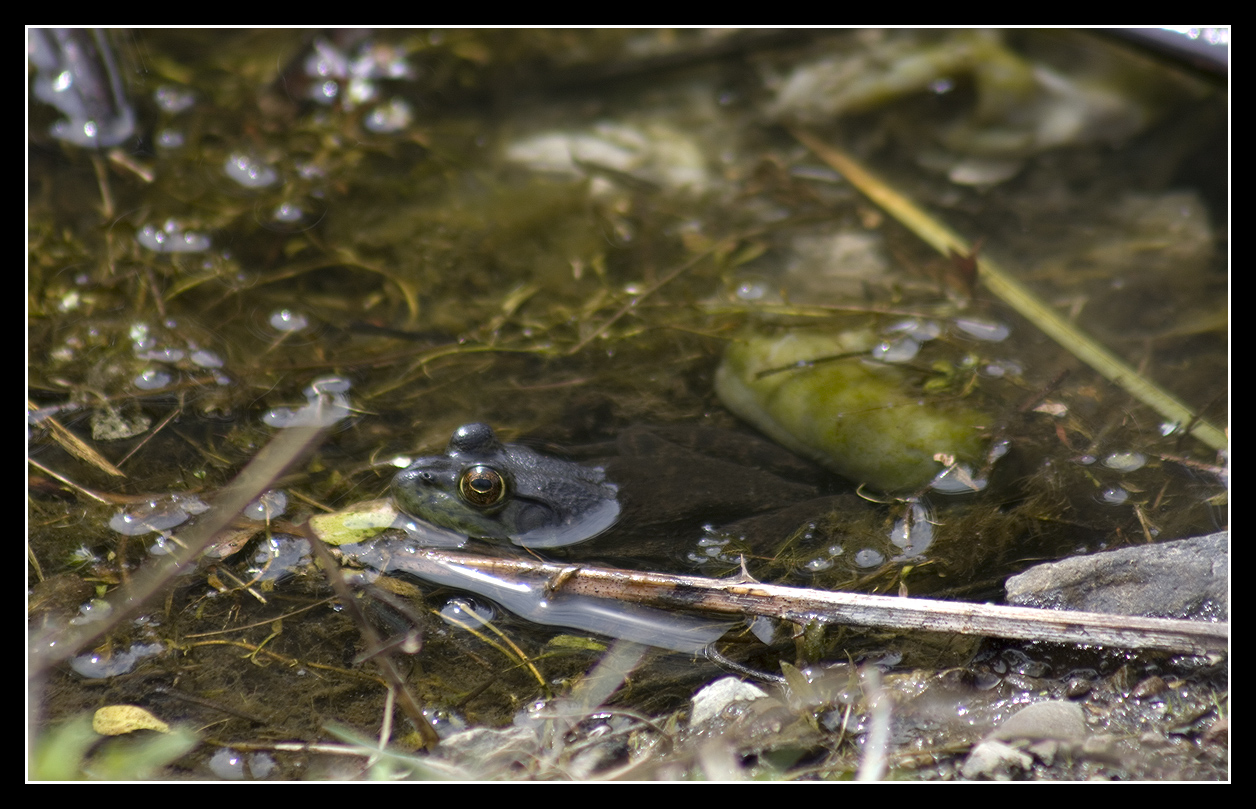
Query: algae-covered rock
x,y
822,397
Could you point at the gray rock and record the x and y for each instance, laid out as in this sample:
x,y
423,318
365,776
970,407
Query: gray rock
x,y
1186,578
1053,719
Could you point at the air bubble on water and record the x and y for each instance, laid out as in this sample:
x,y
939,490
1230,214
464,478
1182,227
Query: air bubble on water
x,y
151,379
989,331
267,507
869,557
141,339
92,612
206,359
752,291
280,556
288,212
465,612
326,405
914,532
1114,496
287,320
227,764
1125,461
903,349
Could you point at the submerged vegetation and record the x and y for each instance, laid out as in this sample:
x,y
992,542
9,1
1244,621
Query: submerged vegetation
x,y
377,237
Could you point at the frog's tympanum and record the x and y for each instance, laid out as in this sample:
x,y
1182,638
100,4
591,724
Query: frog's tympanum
x,y
486,489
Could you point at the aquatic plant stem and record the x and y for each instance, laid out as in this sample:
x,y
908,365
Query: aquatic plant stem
x,y
1010,291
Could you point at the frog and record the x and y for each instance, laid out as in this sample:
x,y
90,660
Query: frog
x,y
481,487
647,493
637,501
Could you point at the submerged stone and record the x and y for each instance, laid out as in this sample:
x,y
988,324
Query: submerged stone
x,y
821,396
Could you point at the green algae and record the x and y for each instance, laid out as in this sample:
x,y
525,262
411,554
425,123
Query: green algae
x,y
858,418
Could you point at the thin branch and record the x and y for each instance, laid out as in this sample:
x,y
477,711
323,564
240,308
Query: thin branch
x,y
802,605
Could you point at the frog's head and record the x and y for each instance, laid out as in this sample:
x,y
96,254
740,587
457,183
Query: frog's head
x,y
484,488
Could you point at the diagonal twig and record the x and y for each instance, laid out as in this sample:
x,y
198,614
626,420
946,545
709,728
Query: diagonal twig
x,y
999,282
802,605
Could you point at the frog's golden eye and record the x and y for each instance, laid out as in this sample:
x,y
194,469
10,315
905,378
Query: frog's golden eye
x,y
482,486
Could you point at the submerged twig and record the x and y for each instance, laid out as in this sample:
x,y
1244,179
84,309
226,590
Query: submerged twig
x,y
801,605
74,445
409,702
998,281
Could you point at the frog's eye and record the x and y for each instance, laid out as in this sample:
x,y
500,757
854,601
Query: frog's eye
x,y
482,486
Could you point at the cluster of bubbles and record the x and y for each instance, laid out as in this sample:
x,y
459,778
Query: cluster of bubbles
x,y
864,559
78,76
172,238
712,546
172,101
902,343
326,402
160,515
904,339
232,765
1121,461
145,346
157,515
354,81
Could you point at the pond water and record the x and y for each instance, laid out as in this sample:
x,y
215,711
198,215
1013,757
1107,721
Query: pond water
x,y
559,233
